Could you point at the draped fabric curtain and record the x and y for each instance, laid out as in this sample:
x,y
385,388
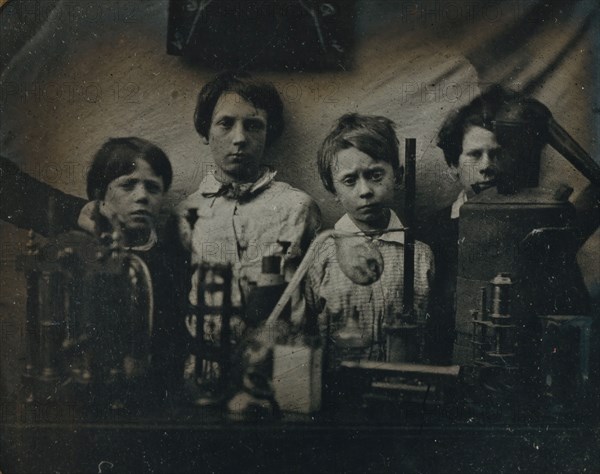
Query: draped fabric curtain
x,y
94,70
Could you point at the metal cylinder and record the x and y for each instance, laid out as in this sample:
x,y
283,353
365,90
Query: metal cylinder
x,y
501,287
50,325
484,306
49,349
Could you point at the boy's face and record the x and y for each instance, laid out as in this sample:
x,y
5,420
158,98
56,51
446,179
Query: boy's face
x,y
237,137
480,158
364,187
134,199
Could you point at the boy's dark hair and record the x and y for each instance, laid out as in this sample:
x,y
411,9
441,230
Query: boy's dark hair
x,y
480,112
261,94
373,135
117,157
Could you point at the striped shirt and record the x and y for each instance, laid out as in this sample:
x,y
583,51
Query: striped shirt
x,y
330,293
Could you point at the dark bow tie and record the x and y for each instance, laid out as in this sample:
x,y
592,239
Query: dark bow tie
x,y
225,189
231,190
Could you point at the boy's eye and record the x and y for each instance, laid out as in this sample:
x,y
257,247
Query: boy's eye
x,y
128,185
377,175
225,123
475,154
153,188
255,126
349,181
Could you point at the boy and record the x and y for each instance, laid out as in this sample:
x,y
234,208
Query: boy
x,y
240,214
474,159
359,165
479,159
129,178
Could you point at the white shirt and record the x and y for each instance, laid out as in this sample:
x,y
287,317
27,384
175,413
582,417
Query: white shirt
x,y
456,205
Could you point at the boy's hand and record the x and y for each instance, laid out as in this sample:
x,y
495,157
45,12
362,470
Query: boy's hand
x,y
359,259
85,220
86,216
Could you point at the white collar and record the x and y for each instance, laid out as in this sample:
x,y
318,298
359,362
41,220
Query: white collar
x,y
211,185
460,200
151,242
345,224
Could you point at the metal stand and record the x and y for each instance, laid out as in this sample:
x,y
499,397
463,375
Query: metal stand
x,y
212,341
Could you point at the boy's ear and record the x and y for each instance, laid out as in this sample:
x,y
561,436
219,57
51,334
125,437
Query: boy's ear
x,y
399,177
